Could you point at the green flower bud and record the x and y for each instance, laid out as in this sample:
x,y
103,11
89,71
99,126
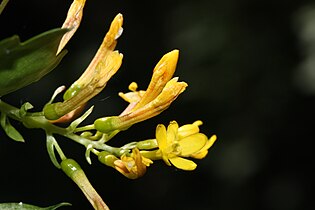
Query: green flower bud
x,y
70,167
108,124
147,144
50,112
107,158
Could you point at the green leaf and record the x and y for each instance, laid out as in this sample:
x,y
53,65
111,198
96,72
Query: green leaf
x,y
22,206
24,63
9,129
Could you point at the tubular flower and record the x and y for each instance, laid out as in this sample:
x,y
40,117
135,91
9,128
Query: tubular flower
x,y
133,166
104,65
161,92
175,143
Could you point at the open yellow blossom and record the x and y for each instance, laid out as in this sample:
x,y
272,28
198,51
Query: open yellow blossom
x,y
175,143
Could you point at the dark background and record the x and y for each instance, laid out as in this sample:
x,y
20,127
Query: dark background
x,y
250,66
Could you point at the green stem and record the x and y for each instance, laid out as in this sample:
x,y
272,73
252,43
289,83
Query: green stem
x,y
74,171
37,120
84,128
10,111
69,166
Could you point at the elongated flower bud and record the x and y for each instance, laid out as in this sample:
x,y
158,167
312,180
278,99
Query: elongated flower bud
x,y
104,65
169,93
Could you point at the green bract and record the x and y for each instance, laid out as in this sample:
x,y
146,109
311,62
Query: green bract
x,y
24,63
9,129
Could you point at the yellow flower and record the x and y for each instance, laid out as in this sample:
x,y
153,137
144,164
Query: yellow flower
x,y
104,65
133,166
175,143
161,92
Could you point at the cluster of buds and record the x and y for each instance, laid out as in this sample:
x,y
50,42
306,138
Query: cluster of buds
x,y
173,144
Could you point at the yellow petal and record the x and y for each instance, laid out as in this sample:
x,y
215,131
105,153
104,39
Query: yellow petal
x,y
162,73
146,161
166,160
183,163
187,130
171,133
200,155
107,67
161,136
132,97
211,141
204,151
192,144
169,93
198,123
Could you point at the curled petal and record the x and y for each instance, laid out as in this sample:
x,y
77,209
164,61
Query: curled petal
x,y
132,97
189,129
183,163
204,151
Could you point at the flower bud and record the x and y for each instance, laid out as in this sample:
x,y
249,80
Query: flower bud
x,y
107,158
162,73
169,93
147,144
104,65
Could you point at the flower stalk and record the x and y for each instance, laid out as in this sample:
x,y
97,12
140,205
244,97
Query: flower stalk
x,y
73,170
